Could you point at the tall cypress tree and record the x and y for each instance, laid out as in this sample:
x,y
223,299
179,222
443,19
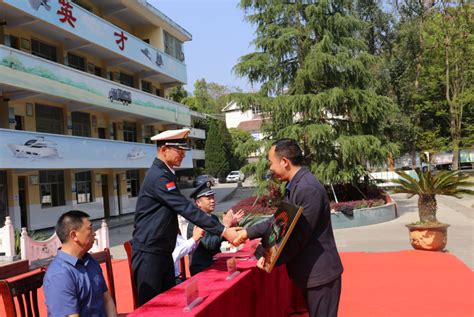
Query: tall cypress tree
x,y
315,73
216,150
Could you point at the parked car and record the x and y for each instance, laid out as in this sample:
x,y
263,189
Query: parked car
x,y
202,179
235,176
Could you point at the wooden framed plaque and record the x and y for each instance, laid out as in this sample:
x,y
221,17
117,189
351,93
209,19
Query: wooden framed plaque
x,y
274,239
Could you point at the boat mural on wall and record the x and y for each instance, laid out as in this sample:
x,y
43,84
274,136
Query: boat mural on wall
x,y
39,147
34,150
136,154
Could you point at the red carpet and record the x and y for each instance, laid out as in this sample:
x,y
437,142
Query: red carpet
x,y
406,283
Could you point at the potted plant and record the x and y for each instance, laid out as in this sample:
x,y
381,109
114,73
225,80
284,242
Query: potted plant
x,y
429,233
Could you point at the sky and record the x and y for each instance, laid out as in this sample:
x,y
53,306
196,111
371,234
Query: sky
x,y
220,37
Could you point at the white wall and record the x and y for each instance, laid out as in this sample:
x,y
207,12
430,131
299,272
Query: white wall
x,y
233,118
39,218
128,204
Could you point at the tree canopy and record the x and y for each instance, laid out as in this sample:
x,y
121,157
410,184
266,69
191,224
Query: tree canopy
x,y
317,85
432,72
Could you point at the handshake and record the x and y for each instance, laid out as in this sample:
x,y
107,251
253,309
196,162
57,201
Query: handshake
x,y
235,235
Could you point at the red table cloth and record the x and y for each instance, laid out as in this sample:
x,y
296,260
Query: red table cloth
x,y
251,293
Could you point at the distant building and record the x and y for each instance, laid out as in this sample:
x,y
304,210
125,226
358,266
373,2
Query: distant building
x,y
252,126
84,84
250,120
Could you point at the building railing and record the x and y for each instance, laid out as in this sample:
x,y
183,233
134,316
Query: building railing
x,y
7,239
34,250
197,133
199,155
33,73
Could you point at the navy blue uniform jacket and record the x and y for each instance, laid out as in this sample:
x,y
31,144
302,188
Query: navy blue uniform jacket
x,y
310,253
209,245
158,204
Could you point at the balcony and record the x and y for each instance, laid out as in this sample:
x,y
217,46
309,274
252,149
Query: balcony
x,y
82,30
31,150
197,133
198,155
23,75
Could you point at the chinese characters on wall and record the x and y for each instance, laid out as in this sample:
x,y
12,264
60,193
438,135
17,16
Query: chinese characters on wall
x,y
66,13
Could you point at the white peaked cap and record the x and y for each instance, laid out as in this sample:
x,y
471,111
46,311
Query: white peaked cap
x,y
172,135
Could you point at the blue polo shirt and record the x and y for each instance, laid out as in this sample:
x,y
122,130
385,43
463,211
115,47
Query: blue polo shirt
x,y
73,285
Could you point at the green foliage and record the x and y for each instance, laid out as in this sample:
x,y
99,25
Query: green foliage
x,y
210,98
207,97
427,185
432,73
178,93
218,149
319,85
449,71
243,144
378,33
449,183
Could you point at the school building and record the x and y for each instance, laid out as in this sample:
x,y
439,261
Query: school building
x,y
83,86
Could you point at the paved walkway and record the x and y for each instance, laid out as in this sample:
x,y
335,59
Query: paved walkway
x,y
393,236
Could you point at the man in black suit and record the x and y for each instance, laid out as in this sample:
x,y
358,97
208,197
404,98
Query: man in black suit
x,y
310,253
210,244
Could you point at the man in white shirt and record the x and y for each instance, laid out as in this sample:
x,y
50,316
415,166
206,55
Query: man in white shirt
x,y
184,247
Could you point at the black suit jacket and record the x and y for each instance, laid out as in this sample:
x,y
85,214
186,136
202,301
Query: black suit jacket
x,y
310,253
209,245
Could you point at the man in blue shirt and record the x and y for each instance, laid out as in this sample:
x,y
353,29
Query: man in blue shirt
x,y
74,284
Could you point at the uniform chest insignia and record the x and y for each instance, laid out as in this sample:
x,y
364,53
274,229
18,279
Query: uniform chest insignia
x,y
170,186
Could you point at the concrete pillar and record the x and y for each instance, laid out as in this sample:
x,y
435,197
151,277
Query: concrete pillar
x,y
2,35
13,200
4,113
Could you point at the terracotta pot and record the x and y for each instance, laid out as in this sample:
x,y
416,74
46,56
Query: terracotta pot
x,y
429,237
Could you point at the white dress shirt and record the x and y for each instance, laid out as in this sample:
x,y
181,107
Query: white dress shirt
x,y
182,248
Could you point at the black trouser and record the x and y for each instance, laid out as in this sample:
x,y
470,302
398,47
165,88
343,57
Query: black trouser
x,y
323,300
153,273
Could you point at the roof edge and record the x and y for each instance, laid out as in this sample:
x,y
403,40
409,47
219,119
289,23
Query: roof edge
x,y
165,18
